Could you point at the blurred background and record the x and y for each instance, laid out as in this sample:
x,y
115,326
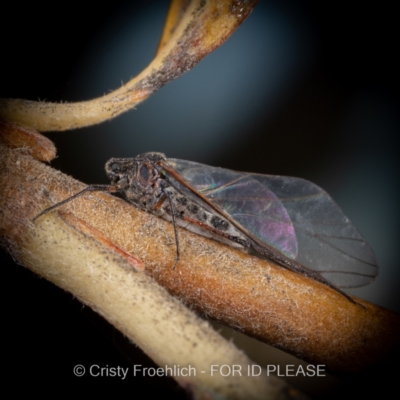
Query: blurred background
x,y
302,89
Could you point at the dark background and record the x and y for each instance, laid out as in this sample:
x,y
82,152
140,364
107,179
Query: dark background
x,y
301,89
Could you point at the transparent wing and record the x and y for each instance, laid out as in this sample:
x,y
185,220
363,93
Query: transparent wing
x,y
293,215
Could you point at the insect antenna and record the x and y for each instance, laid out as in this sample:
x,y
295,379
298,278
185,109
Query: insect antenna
x,y
91,188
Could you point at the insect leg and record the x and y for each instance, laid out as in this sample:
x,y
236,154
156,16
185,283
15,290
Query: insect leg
x,y
173,214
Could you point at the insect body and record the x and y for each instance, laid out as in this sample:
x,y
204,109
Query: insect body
x,y
291,221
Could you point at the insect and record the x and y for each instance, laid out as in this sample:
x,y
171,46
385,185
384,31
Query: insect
x,y
290,221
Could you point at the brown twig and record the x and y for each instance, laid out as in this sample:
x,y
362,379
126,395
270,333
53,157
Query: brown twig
x,y
79,254
111,239
192,30
289,311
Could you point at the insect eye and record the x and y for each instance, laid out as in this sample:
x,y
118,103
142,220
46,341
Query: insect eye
x,y
115,168
144,174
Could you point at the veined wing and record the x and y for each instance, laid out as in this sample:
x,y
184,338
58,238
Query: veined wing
x,y
293,215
